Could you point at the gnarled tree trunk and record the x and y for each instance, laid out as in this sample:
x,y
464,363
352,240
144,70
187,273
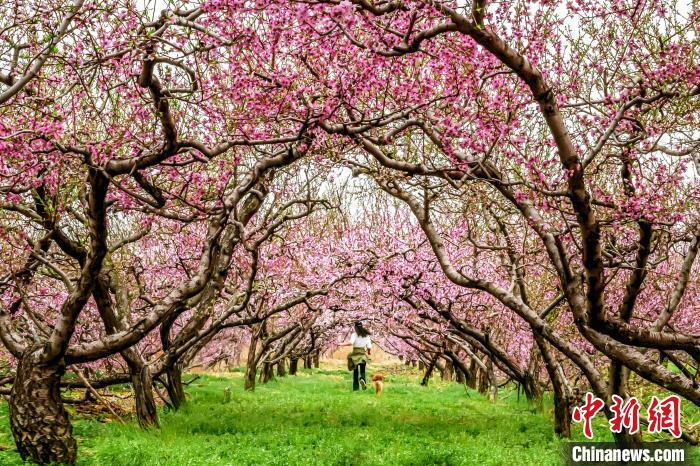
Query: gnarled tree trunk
x,y
142,382
174,386
39,422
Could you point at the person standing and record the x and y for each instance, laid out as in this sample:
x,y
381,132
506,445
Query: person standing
x,y
357,360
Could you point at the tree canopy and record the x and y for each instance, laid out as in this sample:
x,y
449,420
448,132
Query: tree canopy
x,y
508,188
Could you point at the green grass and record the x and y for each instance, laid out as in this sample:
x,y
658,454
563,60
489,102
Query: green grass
x,y
315,419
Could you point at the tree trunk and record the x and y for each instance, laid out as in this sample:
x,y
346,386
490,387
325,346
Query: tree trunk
x,y
317,360
460,376
531,386
142,382
471,375
619,385
39,422
493,381
562,409
429,370
532,390
293,365
251,368
459,369
249,378
448,372
281,368
562,412
176,390
307,362
482,381
618,379
267,373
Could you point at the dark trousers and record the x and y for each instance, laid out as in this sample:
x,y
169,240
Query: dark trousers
x,y
357,374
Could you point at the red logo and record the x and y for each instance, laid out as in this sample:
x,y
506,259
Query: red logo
x,y
625,414
665,415
587,412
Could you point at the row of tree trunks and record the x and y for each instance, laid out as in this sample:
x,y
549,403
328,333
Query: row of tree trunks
x,y
267,373
462,373
312,360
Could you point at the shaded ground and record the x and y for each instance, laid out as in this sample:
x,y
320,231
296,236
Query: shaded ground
x,y
314,418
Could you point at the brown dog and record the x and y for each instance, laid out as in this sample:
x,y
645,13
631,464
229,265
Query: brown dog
x,y
378,380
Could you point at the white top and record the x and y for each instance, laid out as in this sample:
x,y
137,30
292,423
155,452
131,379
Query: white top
x,y
360,342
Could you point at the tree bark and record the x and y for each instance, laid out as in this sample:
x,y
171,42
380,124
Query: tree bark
x,y
145,403
281,368
174,386
267,373
492,380
562,412
39,422
251,365
429,370
562,409
531,386
249,378
447,372
461,371
293,365
482,379
471,378
460,378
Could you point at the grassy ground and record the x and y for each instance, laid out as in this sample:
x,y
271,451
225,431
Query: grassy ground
x,y
314,418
